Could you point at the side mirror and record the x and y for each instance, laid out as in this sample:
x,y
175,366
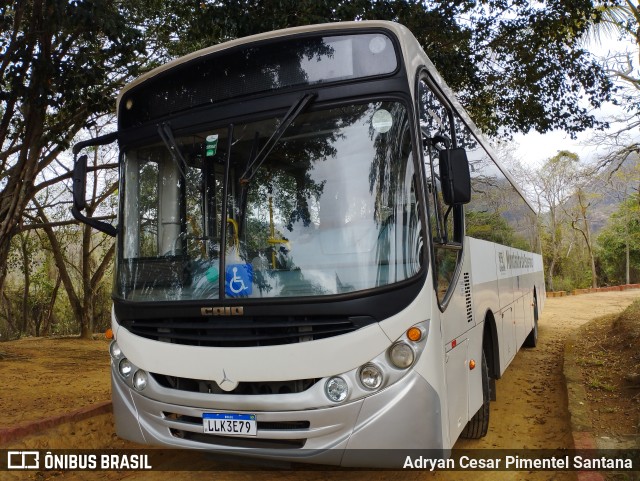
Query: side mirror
x,y
80,182
455,178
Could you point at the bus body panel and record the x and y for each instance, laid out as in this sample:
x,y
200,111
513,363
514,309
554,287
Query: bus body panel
x,y
401,414
516,273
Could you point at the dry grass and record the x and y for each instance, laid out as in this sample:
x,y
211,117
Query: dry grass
x,y
610,364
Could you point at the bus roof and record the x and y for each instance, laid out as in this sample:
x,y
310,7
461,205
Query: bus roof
x,y
403,34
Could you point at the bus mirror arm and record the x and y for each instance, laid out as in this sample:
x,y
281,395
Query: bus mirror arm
x,y
80,182
441,139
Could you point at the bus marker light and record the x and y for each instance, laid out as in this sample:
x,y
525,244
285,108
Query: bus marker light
x,y
414,334
453,343
472,364
108,334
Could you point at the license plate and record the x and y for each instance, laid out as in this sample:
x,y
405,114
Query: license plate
x,y
230,424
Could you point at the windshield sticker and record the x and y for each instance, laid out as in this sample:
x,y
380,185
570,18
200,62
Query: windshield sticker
x,y
212,145
212,274
382,121
377,44
238,280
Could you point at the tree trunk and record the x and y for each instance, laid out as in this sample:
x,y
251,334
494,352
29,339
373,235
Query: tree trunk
x,y
587,238
46,329
628,277
552,266
626,249
86,330
24,249
76,305
554,247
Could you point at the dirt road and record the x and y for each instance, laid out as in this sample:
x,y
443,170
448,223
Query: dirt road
x,y
530,411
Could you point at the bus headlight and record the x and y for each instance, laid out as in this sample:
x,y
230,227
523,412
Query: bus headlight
x,y
401,355
125,367
140,380
371,376
115,351
336,389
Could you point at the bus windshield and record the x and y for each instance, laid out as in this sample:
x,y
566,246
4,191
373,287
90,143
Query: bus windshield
x,y
331,209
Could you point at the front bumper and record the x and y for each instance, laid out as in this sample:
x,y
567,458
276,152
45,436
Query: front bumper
x,y
376,431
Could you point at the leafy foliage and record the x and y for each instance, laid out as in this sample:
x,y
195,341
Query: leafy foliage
x,y
622,232
516,65
61,66
493,227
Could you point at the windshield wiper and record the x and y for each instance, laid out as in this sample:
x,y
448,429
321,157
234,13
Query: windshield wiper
x,y
296,109
166,134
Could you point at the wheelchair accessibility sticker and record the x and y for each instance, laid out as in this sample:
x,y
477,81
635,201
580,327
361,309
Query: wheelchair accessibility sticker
x,y
238,280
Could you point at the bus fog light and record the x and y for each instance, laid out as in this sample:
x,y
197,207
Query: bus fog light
x,y
125,367
401,355
336,389
140,380
115,351
371,376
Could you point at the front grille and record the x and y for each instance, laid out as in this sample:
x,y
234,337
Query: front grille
x,y
245,332
262,425
238,442
260,388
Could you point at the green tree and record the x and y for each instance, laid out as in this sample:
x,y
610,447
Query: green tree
x,y
621,239
515,65
620,186
579,210
620,19
555,184
493,227
614,19
62,64
28,304
82,255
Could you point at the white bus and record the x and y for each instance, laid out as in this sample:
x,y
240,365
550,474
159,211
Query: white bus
x,y
317,252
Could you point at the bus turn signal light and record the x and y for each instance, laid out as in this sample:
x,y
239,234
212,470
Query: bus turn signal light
x,y
108,334
472,364
414,334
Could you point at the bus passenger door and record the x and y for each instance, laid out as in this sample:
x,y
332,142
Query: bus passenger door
x,y
446,225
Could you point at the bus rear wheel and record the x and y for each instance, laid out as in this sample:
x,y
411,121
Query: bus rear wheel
x,y
478,425
532,338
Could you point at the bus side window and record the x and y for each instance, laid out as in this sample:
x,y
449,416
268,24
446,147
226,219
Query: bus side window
x,y
445,223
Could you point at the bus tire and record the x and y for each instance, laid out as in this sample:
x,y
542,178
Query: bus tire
x,y
478,425
532,338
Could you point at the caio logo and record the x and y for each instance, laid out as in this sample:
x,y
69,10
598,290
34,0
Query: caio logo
x,y
222,311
